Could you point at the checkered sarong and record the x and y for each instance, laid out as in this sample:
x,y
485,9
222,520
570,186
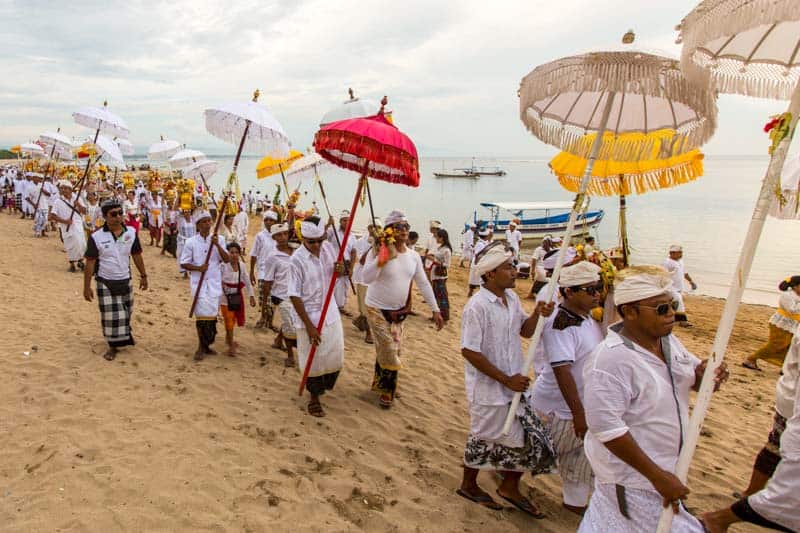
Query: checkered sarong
x,y
18,202
115,315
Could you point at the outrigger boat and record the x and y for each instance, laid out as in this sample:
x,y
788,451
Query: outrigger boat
x,y
551,220
457,173
483,171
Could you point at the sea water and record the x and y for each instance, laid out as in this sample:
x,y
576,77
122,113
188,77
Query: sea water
x,y
708,217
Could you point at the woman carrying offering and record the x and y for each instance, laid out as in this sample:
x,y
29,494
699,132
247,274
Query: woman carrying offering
x,y
232,299
781,326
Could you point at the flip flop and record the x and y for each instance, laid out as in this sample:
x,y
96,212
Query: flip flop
x,y
385,401
525,506
484,500
315,409
752,366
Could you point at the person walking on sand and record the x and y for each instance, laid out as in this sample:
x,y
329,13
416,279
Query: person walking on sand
x,y
674,265
441,257
567,341
186,230
388,299
636,398
362,247
312,267
484,240
467,245
108,256
234,287
514,238
262,247
491,325
193,258
277,276
335,236
782,326
71,225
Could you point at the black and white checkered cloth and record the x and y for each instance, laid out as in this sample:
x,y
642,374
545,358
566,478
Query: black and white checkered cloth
x,y
115,315
18,202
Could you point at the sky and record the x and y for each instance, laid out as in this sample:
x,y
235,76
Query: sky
x,y
451,69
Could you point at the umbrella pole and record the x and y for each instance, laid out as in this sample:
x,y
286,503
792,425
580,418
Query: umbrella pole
x,y
332,283
285,185
623,229
553,283
83,181
46,172
335,232
371,209
765,198
220,215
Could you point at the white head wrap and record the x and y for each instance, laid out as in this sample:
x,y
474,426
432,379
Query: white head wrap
x,y
675,248
556,240
309,230
580,273
484,232
64,183
278,228
378,223
492,259
201,215
271,215
435,224
394,217
344,214
641,282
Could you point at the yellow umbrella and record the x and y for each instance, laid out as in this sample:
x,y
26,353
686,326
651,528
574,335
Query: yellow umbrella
x,y
621,178
269,166
15,149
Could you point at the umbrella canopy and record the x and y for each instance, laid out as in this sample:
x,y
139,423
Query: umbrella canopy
x,y
31,149
786,204
163,149
109,151
201,169
125,146
264,133
614,178
186,157
308,164
352,108
100,118
270,166
564,100
57,139
754,52
373,146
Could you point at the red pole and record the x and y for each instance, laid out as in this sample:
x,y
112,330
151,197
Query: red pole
x,y
327,302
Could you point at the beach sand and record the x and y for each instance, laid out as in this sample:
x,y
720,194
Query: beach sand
x,y
156,442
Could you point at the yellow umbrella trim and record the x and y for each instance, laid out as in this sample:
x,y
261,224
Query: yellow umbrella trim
x,y
269,166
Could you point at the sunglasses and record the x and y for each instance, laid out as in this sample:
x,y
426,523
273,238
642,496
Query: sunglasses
x,y
662,309
115,213
401,227
591,291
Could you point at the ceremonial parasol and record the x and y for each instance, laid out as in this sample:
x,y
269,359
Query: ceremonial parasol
x,y
352,108
622,92
31,149
186,157
57,144
163,149
786,205
747,47
125,146
269,166
309,165
375,148
622,178
202,169
101,119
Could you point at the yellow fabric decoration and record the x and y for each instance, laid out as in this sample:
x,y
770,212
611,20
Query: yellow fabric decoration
x,y
269,166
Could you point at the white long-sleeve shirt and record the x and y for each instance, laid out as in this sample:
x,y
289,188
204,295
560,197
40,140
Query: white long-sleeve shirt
x,y
310,280
389,284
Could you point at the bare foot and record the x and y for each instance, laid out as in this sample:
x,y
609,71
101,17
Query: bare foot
x,y
289,362
199,355
209,351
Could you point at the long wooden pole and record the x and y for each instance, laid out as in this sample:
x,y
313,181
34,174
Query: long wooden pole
x,y
327,302
46,171
553,283
765,198
336,231
220,216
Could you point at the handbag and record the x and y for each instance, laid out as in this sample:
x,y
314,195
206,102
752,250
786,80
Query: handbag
x,y
235,298
440,271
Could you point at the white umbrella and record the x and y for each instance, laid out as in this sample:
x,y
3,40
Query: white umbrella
x,y
747,47
186,157
31,149
306,166
163,149
125,146
352,108
109,152
609,93
786,205
101,120
201,169
56,139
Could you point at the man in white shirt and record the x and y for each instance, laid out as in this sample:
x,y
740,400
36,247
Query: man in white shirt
x,y
335,237
277,277
20,188
312,267
193,259
636,397
674,265
362,246
491,325
241,225
484,239
538,272
71,224
467,245
263,245
514,238
567,340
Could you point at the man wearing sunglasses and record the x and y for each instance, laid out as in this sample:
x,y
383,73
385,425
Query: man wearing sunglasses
x,y
636,397
567,341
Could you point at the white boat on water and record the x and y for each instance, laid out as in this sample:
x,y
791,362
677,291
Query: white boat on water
x,y
537,219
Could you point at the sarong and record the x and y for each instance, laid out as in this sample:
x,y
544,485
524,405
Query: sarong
x,y
265,305
132,222
115,315
442,299
474,279
388,343
74,242
774,351
777,501
340,291
318,385
286,310
206,331
644,510
573,466
329,356
40,221
171,243
487,449
155,232
770,455
18,202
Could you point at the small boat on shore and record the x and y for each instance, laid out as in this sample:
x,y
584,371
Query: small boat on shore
x,y
483,171
537,219
456,173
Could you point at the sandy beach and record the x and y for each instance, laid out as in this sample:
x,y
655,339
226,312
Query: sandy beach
x,y
156,442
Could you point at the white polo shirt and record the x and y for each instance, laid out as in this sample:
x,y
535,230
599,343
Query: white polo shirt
x,y
113,254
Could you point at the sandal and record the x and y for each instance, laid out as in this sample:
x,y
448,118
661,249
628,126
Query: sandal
x,y
484,500
289,362
752,366
110,355
385,401
525,506
315,409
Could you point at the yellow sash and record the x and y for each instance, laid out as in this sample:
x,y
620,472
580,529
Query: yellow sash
x,y
155,212
787,314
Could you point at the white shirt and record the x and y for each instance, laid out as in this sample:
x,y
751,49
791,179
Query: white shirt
x,y
194,252
514,238
262,247
361,246
628,390
789,302
786,388
540,273
233,278
19,186
479,246
567,339
241,223
62,210
279,272
348,248
676,271
389,285
549,262
430,245
492,329
113,254
310,280
443,256
469,240
130,207
186,229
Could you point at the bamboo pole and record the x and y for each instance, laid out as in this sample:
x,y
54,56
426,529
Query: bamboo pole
x,y
335,231
553,283
220,216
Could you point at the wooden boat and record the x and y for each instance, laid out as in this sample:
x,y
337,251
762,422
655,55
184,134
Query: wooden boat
x,y
483,171
457,173
537,219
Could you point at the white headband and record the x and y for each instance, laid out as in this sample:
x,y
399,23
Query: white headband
x,y
309,230
637,286
492,259
580,273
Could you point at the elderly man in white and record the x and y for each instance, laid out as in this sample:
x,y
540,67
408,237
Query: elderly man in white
x,y
636,397
262,247
514,238
491,325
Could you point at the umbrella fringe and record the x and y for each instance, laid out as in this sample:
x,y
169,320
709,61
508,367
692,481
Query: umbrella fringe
x,y
715,19
647,181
